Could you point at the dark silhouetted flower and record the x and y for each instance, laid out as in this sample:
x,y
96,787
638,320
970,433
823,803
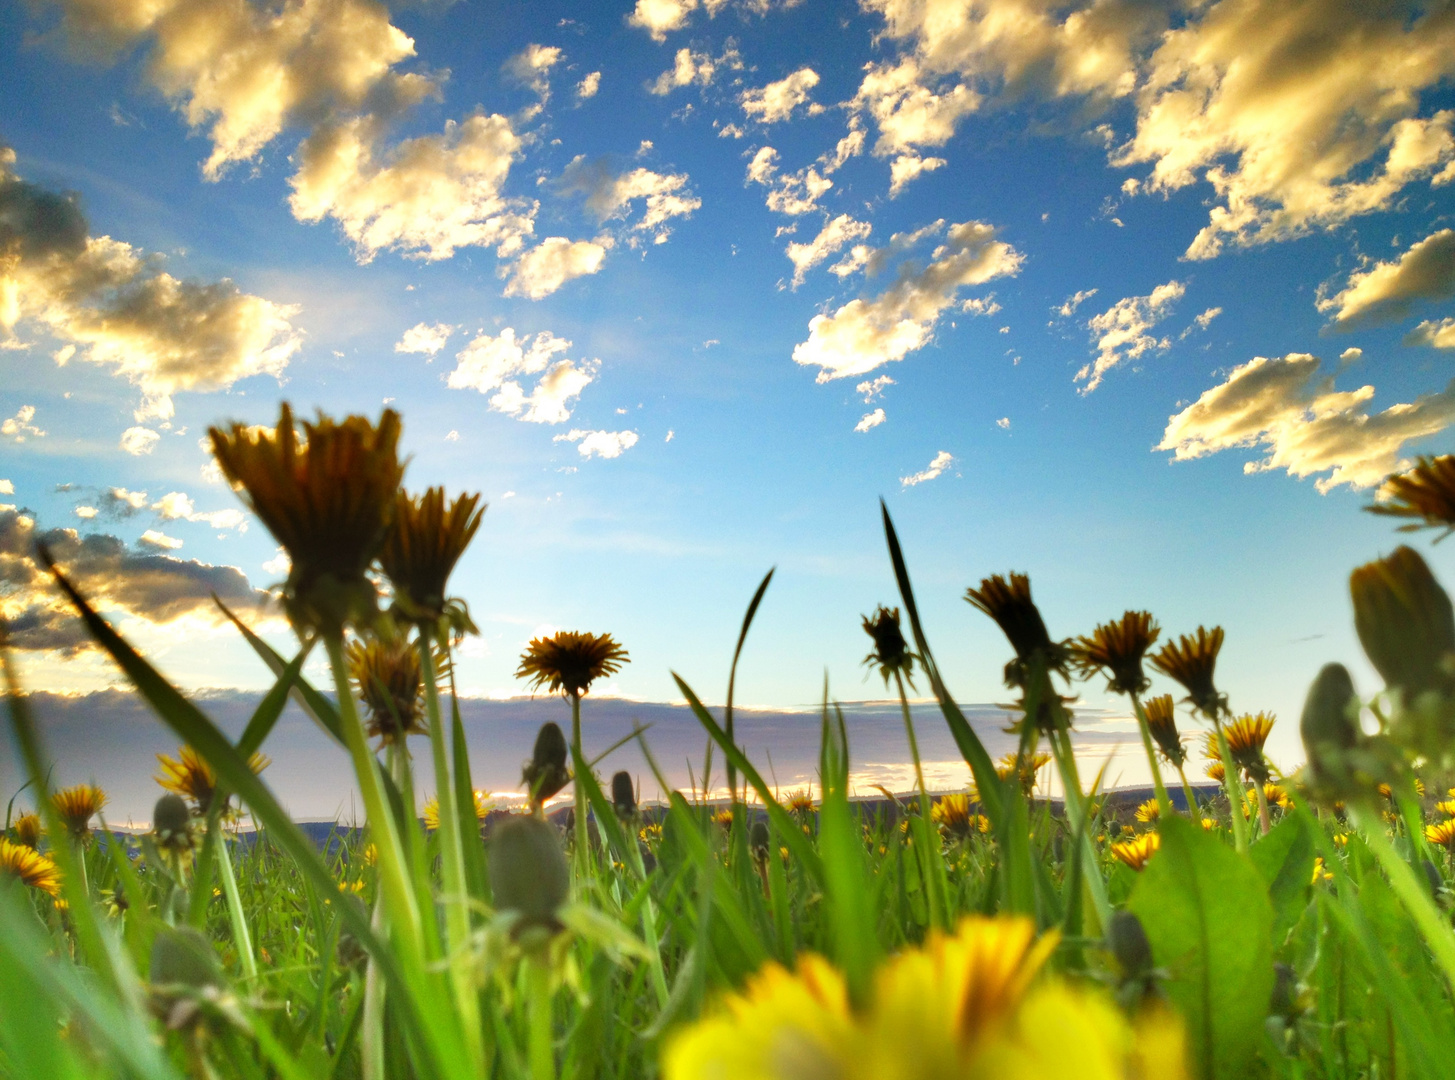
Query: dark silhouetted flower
x,y
1009,603
1191,661
891,652
421,549
1426,491
1117,648
1162,723
568,662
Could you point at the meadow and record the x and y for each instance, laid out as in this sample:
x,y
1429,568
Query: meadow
x,y
1298,924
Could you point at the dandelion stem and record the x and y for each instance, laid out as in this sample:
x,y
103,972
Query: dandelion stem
x,y
241,936
542,1053
1230,785
1263,821
1190,796
1164,804
582,852
372,1050
932,867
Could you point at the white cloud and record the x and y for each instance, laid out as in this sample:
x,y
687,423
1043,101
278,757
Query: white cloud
x,y
908,108
553,262
19,426
1284,407
1435,335
794,193
907,167
833,236
1205,319
424,197
6,487
1074,301
870,420
178,506
279,564
531,67
872,388
606,444
119,309
158,541
661,17
1123,330
85,513
978,306
775,102
1003,423
139,440
663,196
500,363
425,338
588,86
688,69
123,502
941,462
730,131
1387,291
864,334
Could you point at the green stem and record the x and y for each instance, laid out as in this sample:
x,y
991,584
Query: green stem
x,y
372,1035
932,867
1072,801
1432,924
1164,804
1189,795
1264,824
241,936
582,852
542,1052
1230,785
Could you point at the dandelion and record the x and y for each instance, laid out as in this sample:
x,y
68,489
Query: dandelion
x,y
1273,795
1215,771
1191,661
1009,603
1320,872
385,673
1025,769
1441,833
801,803
328,499
650,834
1162,722
1426,491
545,773
569,662
420,551
30,867
27,830
1117,648
172,828
191,777
1149,812
1446,807
77,806
967,1004
952,814
891,655
1388,792
723,818
1246,737
1138,851
431,813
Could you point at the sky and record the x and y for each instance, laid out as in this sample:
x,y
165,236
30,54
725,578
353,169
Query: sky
x,y
1144,299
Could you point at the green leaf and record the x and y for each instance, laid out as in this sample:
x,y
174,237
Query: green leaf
x,y
1206,913
1285,860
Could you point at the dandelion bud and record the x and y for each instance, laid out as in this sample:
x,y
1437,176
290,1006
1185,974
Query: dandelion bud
x,y
172,822
1405,622
545,773
758,839
182,956
1128,943
528,871
623,794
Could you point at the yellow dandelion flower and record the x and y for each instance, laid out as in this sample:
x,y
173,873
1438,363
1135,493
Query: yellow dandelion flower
x,y
1275,794
421,549
1149,812
1191,661
1010,765
1162,722
1388,792
801,802
431,813
1341,839
1320,873
30,867
27,830
952,814
189,776
1117,648
1137,852
1426,492
568,662
723,818
1215,771
370,855
1446,807
1246,736
385,673
1208,824
77,806
328,499
650,834
1442,833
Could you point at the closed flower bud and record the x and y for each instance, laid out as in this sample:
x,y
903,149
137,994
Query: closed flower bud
x,y
528,872
1405,622
758,838
623,794
1128,943
172,824
1330,730
182,956
545,773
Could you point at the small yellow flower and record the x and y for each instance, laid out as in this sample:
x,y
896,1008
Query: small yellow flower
x,y
1149,811
723,818
189,776
952,814
1137,852
1191,660
27,830
370,855
1215,771
1275,795
1446,807
1388,792
483,805
568,662
1320,874
1013,765
1341,839
77,806
30,866
1442,833
650,834
1117,649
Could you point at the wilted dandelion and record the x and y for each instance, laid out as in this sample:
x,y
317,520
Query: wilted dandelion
x,y
30,867
77,806
1138,851
189,776
1149,812
420,551
27,830
328,499
1426,492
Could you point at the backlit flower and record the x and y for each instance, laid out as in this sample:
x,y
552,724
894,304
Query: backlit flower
x,y
1117,648
1009,603
421,549
1446,807
801,803
1426,492
1148,812
77,806
1442,833
30,866
1024,768
568,662
891,652
189,776
483,805
1138,851
1215,771
1320,872
1162,723
1246,737
1388,792
1191,660
328,499
952,814
27,830
1274,794
385,673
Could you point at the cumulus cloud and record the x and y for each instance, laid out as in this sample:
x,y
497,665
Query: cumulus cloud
x,y
775,102
1123,330
1287,409
907,167
588,86
864,334
691,68
872,388
903,100
833,236
606,444
791,193
424,197
870,420
531,67
661,197
158,541
1386,291
942,461
425,338
6,487
1432,334
20,427
151,589
139,440
1074,301
553,262
660,17
178,506
117,308
502,362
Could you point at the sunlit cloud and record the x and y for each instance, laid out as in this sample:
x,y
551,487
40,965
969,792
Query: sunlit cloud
x,y
138,441
20,426
833,236
653,198
425,338
1433,334
1387,291
942,461
553,262
605,444
1122,331
501,363
1286,409
870,420
775,102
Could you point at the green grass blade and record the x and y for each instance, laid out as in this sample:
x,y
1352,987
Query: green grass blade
x,y
727,712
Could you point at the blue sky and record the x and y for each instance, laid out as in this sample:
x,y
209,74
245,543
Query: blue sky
x,y
586,215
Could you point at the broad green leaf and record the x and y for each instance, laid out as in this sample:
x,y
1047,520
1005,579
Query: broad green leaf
x,y
1285,860
1206,913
